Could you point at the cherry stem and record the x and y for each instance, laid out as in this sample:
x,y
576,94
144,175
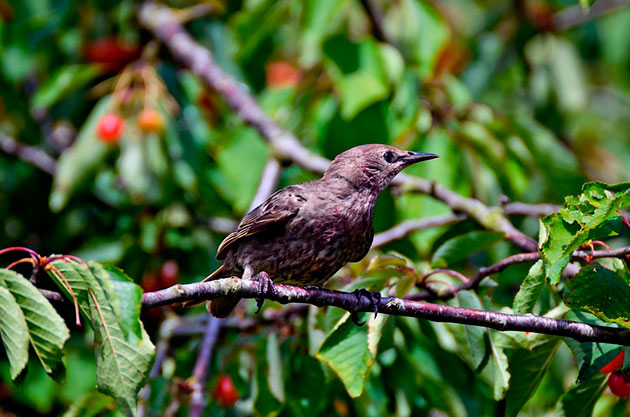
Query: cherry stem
x,y
21,261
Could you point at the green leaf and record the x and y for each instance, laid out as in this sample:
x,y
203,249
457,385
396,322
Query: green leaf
x,y
123,358
496,369
601,292
92,404
477,338
580,400
462,246
351,350
81,160
13,331
527,368
591,215
236,184
358,73
47,330
420,29
319,21
530,290
358,91
275,376
67,79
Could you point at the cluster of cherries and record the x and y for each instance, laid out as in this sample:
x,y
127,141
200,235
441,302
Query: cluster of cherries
x,y
619,380
111,126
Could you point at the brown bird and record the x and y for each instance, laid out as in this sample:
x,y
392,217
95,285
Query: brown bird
x,y
304,233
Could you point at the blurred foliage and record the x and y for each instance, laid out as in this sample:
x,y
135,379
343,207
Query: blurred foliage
x,y
514,108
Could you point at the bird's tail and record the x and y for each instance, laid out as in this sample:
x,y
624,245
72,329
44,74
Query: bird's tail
x,y
220,307
218,273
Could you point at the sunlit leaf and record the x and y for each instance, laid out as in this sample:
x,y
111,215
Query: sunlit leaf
x,y
591,215
351,350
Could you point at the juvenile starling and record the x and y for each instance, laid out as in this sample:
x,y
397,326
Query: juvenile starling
x,y
304,233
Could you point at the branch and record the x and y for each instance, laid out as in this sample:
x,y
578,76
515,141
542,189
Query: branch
x,y
577,15
162,22
478,277
389,305
30,154
268,182
200,371
409,226
536,210
513,260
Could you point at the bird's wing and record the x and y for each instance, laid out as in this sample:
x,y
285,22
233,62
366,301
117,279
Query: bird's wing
x,y
279,208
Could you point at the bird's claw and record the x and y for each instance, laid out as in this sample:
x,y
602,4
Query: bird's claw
x,y
266,288
354,316
373,296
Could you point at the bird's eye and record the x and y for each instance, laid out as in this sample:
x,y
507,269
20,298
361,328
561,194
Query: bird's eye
x,y
389,157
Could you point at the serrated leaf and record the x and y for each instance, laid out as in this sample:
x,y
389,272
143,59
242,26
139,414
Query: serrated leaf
x,y
462,246
13,331
351,350
527,368
81,160
601,292
46,329
527,296
496,369
67,79
591,215
123,358
580,400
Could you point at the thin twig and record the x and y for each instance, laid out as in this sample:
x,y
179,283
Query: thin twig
x,y
536,210
409,226
30,154
576,15
163,24
513,260
268,182
200,371
220,224
389,305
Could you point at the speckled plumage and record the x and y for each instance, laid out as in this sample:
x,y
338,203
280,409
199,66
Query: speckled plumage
x,y
304,233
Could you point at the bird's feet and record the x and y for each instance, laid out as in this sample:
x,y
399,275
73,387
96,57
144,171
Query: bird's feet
x,y
266,288
373,296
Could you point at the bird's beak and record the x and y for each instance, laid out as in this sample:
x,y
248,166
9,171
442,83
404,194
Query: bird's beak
x,y
414,157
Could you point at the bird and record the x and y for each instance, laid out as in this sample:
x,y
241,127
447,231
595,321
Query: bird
x,y
304,233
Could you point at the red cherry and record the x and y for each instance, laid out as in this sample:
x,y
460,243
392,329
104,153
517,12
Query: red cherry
x,y
225,392
282,74
614,365
619,384
169,273
110,128
112,53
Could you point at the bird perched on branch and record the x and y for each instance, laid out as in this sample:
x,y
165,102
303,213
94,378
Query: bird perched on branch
x,y
304,233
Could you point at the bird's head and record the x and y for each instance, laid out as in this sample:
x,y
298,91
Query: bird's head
x,y
373,166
